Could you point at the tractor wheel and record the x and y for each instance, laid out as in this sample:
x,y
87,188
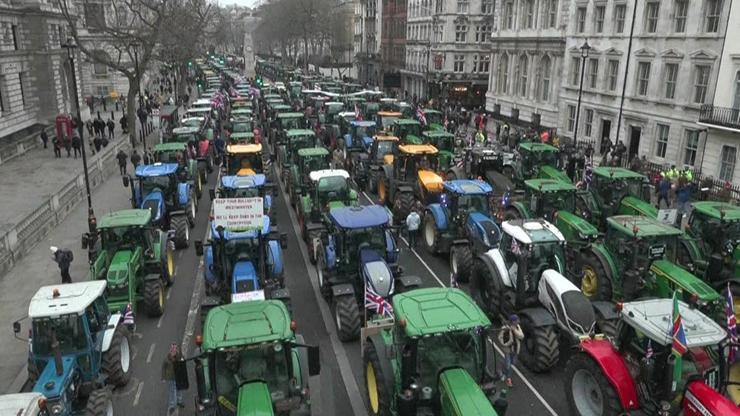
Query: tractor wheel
x,y
192,209
199,185
378,397
486,289
587,389
461,262
347,318
370,183
511,214
540,348
203,172
100,403
182,231
311,237
594,284
153,297
609,327
431,235
382,190
293,197
320,267
168,266
117,360
405,204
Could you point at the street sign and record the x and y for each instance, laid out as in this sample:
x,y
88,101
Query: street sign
x,y
667,216
238,214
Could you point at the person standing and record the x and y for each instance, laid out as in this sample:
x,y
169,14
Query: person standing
x,y
135,159
76,144
122,159
174,398
111,128
89,125
98,143
412,225
56,143
510,337
63,257
664,189
45,138
68,145
683,196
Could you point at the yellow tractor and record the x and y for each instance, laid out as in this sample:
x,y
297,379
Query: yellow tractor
x,y
244,159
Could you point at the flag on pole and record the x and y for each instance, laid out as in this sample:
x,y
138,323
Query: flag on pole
x,y
679,346
731,325
446,122
377,303
358,115
649,351
128,315
420,116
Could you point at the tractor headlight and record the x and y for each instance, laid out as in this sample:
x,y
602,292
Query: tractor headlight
x,y
57,409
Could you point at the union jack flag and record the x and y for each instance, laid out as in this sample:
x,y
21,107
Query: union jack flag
x,y
358,114
420,115
128,315
679,346
649,351
446,122
515,248
731,325
377,303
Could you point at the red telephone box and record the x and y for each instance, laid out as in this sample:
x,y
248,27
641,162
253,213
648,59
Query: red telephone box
x,y
63,126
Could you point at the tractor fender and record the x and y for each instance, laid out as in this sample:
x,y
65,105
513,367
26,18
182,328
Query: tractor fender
x,y
387,171
538,316
391,249
521,209
344,289
183,193
495,261
110,329
701,399
208,265
439,215
604,310
385,355
275,258
606,260
615,370
409,282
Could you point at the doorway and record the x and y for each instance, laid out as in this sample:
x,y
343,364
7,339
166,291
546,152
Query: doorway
x,y
635,133
606,128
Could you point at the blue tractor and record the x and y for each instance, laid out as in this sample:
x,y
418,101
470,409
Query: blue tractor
x,y
246,186
360,136
462,216
172,202
242,265
357,266
78,350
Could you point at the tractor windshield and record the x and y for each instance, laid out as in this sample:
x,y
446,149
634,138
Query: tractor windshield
x,y
120,237
150,183
242,192
433,117
373,238
444,143
473,203
265,362
314,163
242,127
540,158
249,161
365,131
558,201
637,253
713,234
168,156
612,191
387,121
290,123
303,142
437,353
405,130
67,330
384,147
333,188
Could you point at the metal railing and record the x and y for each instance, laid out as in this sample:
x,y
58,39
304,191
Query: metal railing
x,y
720,116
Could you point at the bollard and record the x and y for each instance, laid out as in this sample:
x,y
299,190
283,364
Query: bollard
x,y
112,116
141,135
98,113
116,105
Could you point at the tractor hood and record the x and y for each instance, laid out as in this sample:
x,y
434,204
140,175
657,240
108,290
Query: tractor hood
x,y
336,204
49,383
636,206
570,223
376,272
445,158
482,227
461,395
154,201
566,302
684,280
550,172
244,277
119,268
254,400
431,181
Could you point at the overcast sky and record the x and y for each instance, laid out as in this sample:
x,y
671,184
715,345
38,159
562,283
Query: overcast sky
x,y
249,3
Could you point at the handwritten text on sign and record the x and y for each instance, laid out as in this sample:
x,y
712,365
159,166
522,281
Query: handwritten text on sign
x,y
238,214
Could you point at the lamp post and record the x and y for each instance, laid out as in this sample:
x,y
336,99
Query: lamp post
x,y
91,221
584,54
135,47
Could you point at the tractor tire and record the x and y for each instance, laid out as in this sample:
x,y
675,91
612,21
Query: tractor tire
x,y
594,282
406,204
182,231
461,262
168,266
430,235
382,191
587,389
100,403
117,360
540,348
347,318
486,289
153,298
203,172
320,267
512,214
370,182
191,211
378,396
609,327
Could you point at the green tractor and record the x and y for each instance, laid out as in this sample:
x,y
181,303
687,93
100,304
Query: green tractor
x,y
251,362
407,130
135,258
435,120
618,191
203,153
450,154
188,171
532,160
285,122
434,358
307,160
287,151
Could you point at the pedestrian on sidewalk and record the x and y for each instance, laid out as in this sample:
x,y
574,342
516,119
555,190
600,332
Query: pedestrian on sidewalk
x,y
122,160
56,143
63,257
412,225
174,398
111,128
510,337
97,142
44,138
124,123
89,125
664,189
76,144
135,159
68,145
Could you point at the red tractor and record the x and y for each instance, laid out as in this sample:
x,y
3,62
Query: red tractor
x,y
634,372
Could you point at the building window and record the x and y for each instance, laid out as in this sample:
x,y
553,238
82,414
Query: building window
x,y
613,75
575,70
581,19
599,15
475,64
14,32
661,142
651,17
461,33
523,69
571,117
727,163
620,10
527,14
487,7
701,81
463,6
482,32
692,144
508,17
550,13
484,64
503,74
459,63
714,8
589,123
680,8
545,67
643,78
593,72
671,75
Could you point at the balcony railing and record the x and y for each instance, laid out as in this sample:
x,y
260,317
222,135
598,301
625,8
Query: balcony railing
x,y
720,116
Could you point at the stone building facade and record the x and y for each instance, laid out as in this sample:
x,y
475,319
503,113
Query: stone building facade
x,y
392,43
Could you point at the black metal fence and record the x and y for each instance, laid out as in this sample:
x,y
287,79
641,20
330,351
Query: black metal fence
x,y
720,116
708,187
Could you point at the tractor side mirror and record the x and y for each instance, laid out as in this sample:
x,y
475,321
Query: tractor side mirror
x,y
198,248
314,361
212,193
85,240
181,375
284,241
126,180
17,327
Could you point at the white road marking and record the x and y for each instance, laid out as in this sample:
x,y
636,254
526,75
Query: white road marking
x,y
194,308
169,292
151,351
176,270
159,322
137,396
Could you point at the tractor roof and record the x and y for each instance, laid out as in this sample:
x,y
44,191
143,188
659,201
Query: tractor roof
x,y
431,111
616,173
72,298
169,147
327,173
407,122
242,135
157,169
537,147
362,123
717,210
189,119
437,133
201,101
282,107
418,149
532,231
244,148
200,110
186,129
385,138
312,151
641,226
126,218
389,113
467,187
246,323
241,110
243,181
367,216
347,114
299,132
549,185
289,115
654,318
437,310
241,234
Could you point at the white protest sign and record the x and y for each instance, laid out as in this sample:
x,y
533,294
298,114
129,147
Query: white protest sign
x,y
667,216
238,214
248,296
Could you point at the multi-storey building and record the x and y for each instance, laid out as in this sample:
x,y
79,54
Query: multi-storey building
x,y
392,43
447,53
367,41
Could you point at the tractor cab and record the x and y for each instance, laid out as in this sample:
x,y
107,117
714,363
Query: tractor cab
x,y
386,119
536,160
406,110
331,112
187,167
546,197
418,163
407,130
294,89
241,124
344,122
244,159
290,121
445,143
370,110
331,188
360,136
188,135
247,186
295,140
618,190
306,160
193,122
434,119
714,231
386,103
241,112
246,137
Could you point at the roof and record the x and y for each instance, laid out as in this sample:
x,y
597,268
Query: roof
x,y
289,115
532,231
73,298
385,138
640,226
186,129
363,123
437,310
20,404
367,216
126,218
242,182
549,185
617,173
278,107
538,147
431,111
467,187
312,151
171,146
300,132
717,210
407,121
157,169
246,323
389,113
437,133
244,148
418,149
654,318
327,173
242,135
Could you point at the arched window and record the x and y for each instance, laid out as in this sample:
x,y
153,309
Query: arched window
x,y
523,72
503,74
545,69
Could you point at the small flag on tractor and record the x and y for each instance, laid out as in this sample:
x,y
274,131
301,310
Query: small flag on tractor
x,y
446,122
731,325
377,303
420,115
358,114
128,315
679,346
649,351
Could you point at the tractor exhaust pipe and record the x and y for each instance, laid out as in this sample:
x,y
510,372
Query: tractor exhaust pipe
x,y
57,356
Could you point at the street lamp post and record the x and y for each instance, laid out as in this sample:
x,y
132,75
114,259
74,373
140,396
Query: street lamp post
x,y
135,47
91,221
584,54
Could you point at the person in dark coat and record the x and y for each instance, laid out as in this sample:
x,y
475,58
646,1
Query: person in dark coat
x,y
111,128
57,144
122,159
76,144
124,123
135,158
98,143
89,125
68,146
45,138
63,257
